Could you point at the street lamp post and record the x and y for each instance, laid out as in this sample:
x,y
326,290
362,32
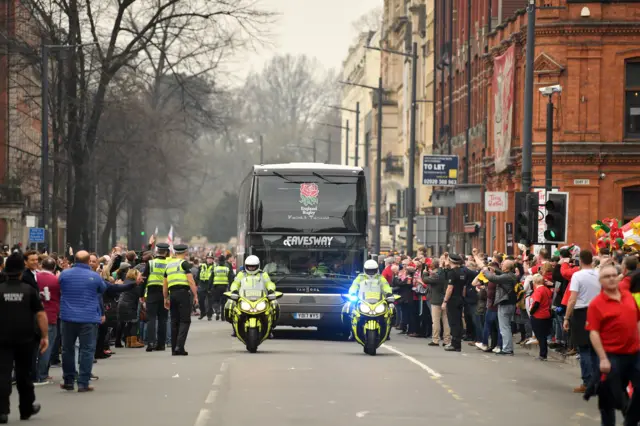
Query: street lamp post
x,y
328,142
380,92
411,199
44,149
357,113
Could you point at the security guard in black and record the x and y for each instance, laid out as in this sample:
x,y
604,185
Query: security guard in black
x,y
20,311
454,302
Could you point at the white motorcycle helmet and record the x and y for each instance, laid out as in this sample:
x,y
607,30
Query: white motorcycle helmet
x,y
251,265
371,267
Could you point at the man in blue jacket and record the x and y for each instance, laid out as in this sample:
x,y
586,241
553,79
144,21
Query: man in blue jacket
x,y
80,313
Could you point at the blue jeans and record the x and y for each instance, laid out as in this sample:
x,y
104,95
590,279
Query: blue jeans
x,y
589,365
169,329
87,335
505,316
43,360
491,329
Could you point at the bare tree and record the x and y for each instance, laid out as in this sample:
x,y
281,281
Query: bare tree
x,y
123,32
370,21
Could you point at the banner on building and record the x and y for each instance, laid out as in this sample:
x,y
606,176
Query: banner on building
x,y
503,96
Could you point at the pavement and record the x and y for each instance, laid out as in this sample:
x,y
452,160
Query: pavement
x,y
299,378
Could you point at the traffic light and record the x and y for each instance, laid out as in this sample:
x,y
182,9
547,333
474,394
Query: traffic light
x,y
142,233
526,223
556,217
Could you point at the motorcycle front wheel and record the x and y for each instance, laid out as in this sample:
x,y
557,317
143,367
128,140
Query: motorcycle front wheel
x,y
371,344
252,340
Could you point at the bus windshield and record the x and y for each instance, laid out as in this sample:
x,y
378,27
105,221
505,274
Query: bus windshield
x,y
320,263
310,204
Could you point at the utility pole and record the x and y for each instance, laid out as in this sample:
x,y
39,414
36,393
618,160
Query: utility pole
x,y
468,141
376,236
44,150
527,127
315,149
411,196
357,131
261,149
346,146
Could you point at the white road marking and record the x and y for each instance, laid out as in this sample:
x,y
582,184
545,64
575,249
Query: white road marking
x,y
224,367
217,380
203,418
431,371
361,414
211,397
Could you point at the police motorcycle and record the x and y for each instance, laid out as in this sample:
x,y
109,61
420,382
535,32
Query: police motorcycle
x,y
253,314
370,314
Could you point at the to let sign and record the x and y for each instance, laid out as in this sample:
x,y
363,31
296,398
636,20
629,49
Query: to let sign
x,y
440,170
495,201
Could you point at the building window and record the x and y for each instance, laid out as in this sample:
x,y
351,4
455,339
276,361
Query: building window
x,y
632,99
631,203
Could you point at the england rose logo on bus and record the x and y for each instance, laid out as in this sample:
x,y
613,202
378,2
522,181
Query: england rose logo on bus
x,y
309,198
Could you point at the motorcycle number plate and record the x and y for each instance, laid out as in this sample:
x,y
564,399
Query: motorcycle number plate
x,y
252,293
307,316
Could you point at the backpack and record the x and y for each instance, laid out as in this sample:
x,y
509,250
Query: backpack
x,y
518,289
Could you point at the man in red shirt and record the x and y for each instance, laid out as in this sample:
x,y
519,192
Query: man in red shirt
x,y
613,322
50,296
629,266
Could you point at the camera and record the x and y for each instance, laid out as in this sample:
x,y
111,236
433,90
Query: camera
x,y
550,90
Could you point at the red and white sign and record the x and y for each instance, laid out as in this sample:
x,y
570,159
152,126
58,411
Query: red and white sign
x,y
503,96
495,201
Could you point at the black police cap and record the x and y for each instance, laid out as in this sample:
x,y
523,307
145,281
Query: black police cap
x,y
180,248
455,258
162,246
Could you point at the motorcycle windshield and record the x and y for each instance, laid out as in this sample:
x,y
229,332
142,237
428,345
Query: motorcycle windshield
x,y
252,295
371,297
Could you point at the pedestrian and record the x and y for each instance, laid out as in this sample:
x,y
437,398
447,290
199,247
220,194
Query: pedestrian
x,y
81,313
506,299
20,309
453,302
612,321
540,311
222,278
205,287
157,314
50,294
178,280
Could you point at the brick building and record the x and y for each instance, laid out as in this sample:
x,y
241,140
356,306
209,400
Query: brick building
x,y
467,224
593,51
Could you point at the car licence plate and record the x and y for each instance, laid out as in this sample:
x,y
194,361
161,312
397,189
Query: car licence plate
x,y
307,316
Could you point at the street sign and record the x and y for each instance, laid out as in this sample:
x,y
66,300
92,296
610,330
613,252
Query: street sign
x,y
36,235
431,230
440,170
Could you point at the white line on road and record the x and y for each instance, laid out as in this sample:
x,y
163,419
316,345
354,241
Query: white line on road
x,y
211,397
431,371
217,380
224,367
203,417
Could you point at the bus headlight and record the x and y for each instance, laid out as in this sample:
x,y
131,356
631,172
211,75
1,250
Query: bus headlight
x,y
380,308
245,306
261,306
364,308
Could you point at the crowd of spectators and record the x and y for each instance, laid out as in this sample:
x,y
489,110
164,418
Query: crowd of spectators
x,y
544,299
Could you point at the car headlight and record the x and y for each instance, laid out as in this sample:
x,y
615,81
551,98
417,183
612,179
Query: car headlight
x,y
245,306
380,308
261,306
365,308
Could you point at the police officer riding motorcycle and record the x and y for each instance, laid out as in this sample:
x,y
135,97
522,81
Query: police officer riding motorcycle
x,y
370,308
252,306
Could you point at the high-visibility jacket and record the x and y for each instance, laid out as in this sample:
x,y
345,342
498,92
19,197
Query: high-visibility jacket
x,y
157,268
221,275
176,276
258,281
364,286
205,273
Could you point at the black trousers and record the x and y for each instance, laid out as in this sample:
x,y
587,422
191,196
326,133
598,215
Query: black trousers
x,y
102,337
454,314
218,299
204,300
180,300
19,356
469,312
157,317
542,329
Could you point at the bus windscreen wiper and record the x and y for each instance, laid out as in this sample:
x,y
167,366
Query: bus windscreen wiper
x,y
333,182
283,177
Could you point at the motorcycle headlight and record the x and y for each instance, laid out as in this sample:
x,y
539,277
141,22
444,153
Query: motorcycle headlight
x,y
380,308
365,309
245,306
261,306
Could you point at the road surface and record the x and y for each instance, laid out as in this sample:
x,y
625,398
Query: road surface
x,y
299,380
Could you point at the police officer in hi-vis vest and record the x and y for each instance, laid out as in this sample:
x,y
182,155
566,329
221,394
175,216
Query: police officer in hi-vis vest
x,y
178,280
154,300
222,278
204,279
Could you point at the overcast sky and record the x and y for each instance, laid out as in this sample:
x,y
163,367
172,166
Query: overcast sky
x,y
319,28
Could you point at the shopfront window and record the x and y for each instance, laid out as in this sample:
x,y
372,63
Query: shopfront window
x,y
632,99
